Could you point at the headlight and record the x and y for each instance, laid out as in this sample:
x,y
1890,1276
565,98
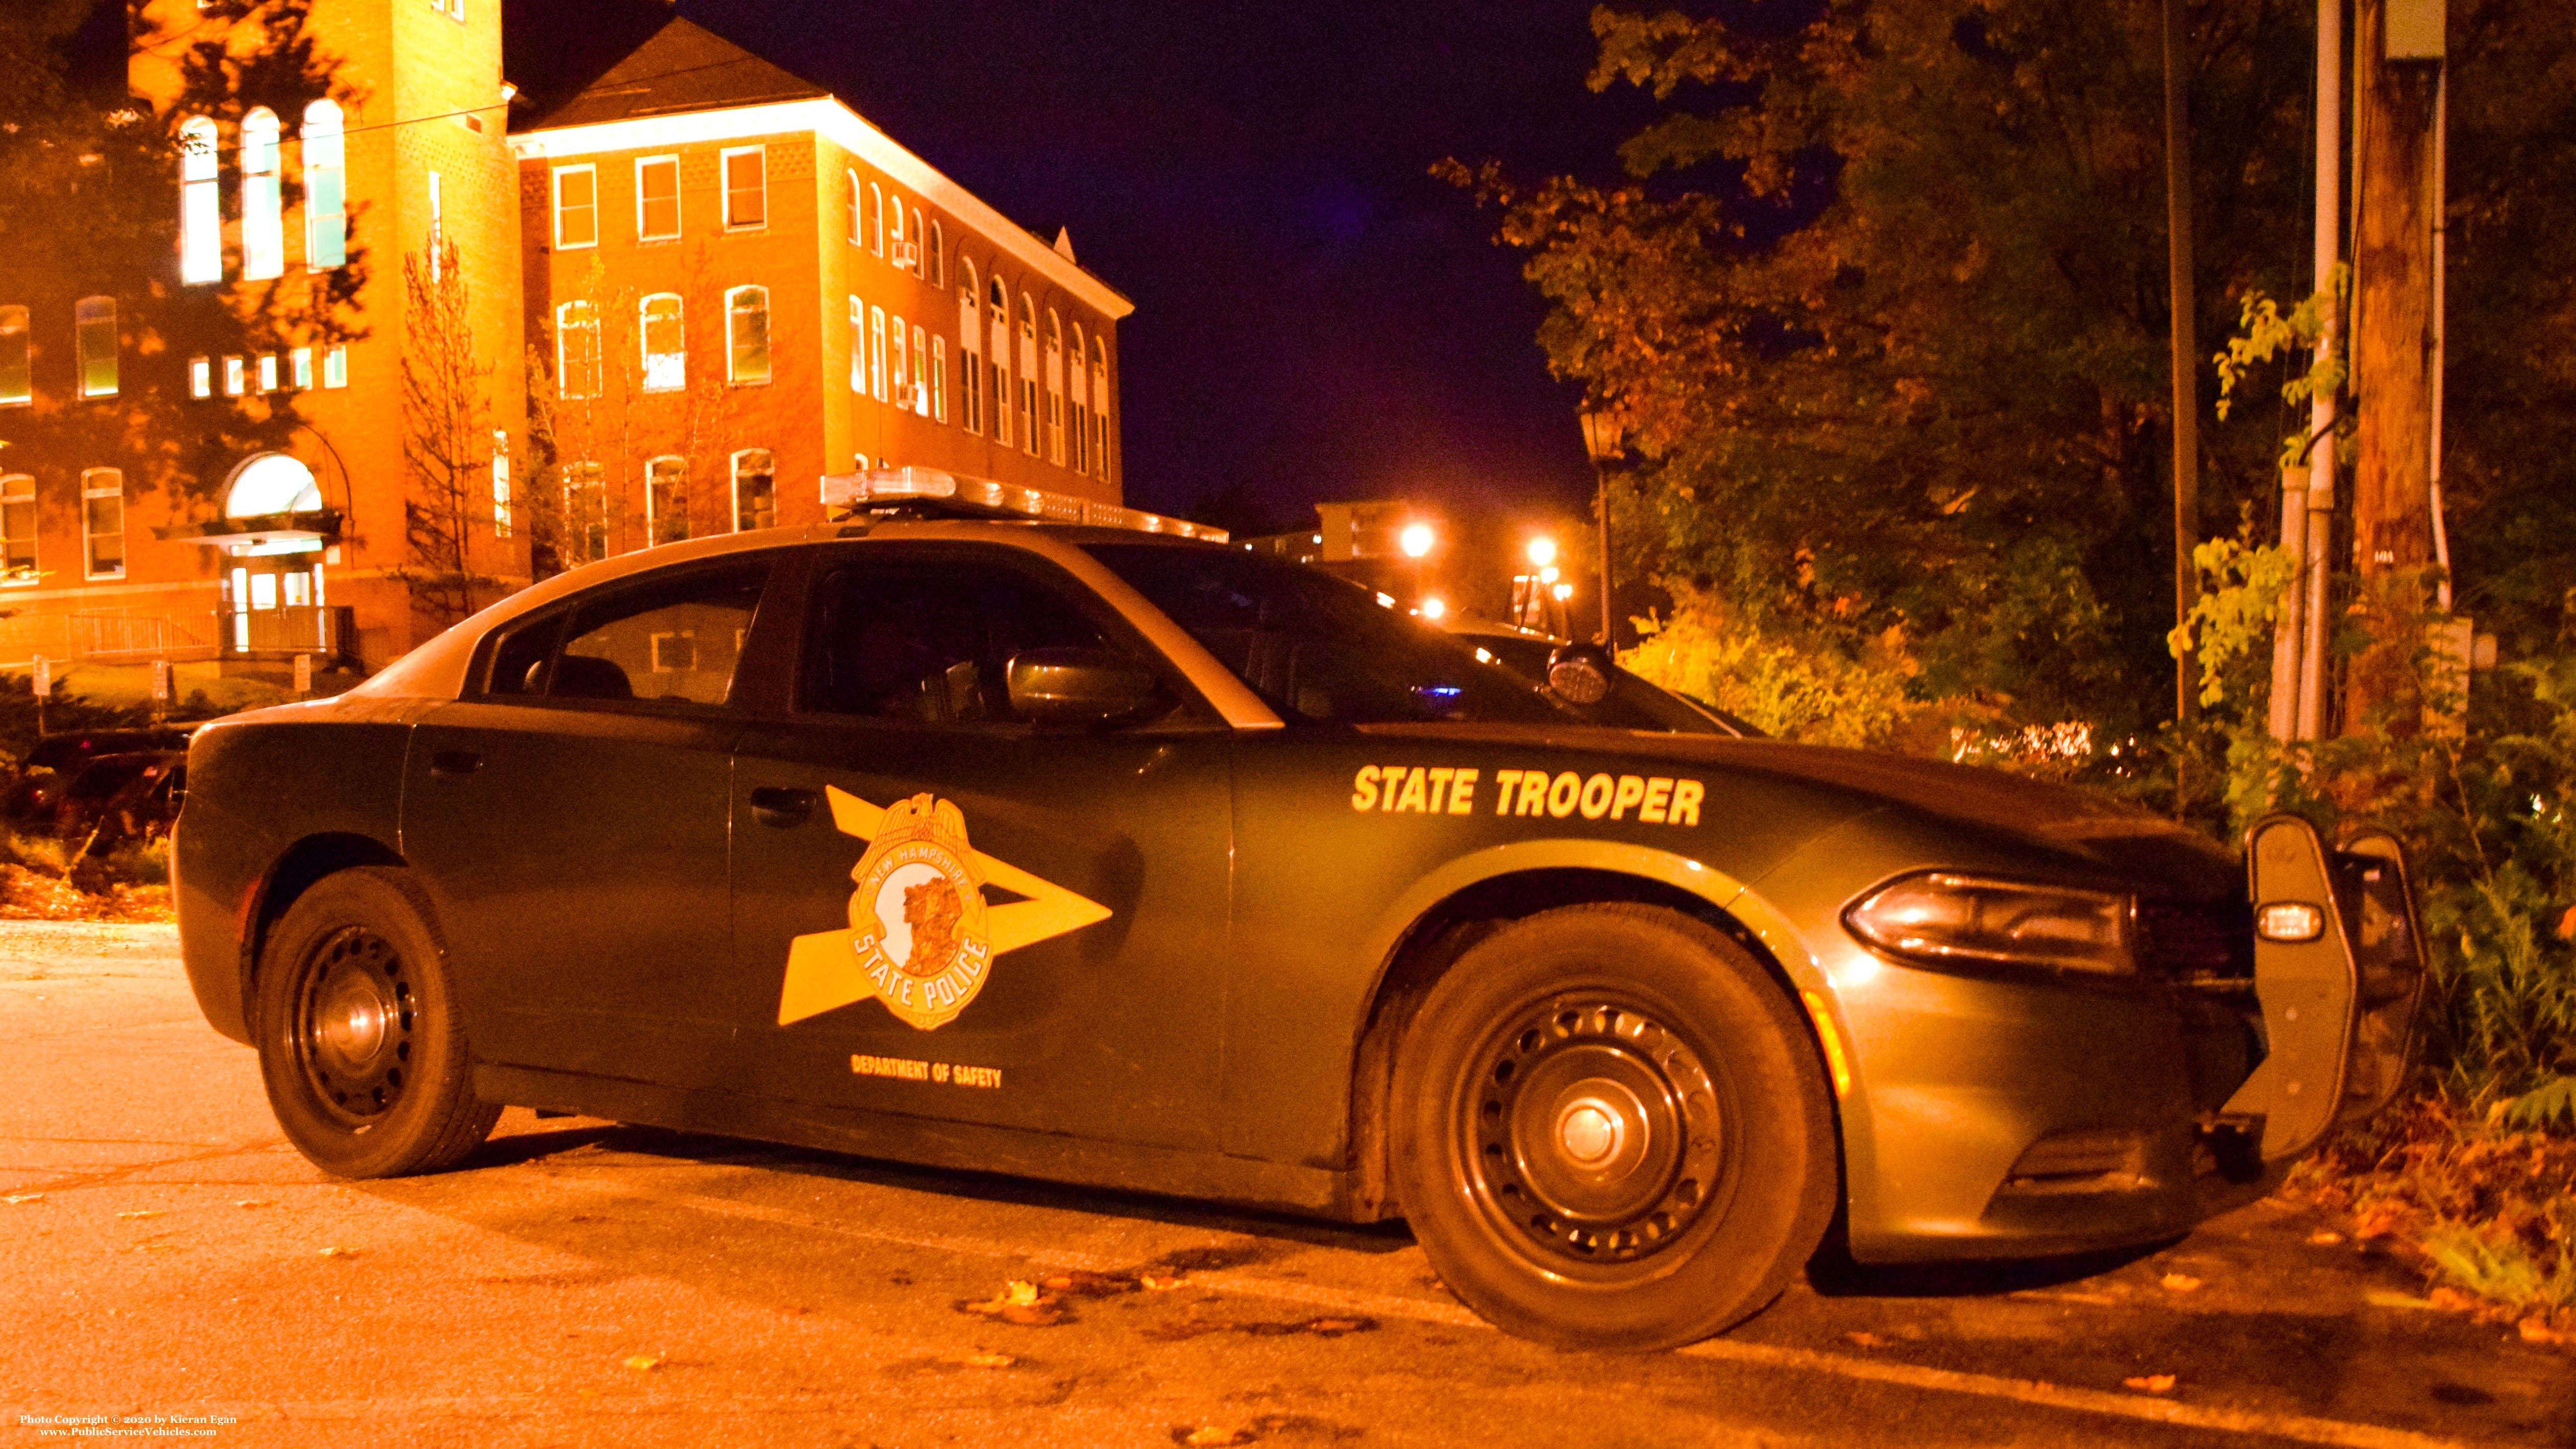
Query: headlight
x,y
1943,919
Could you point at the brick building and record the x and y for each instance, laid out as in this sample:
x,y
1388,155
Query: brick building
x,y
692,284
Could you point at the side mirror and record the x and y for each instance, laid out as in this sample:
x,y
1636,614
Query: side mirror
x,y
1579,673
1073,686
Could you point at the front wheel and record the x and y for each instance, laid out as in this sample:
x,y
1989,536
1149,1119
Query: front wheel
x,y
1611,1130
361,1045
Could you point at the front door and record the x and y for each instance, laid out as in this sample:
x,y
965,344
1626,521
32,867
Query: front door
x,y
942,910
572,814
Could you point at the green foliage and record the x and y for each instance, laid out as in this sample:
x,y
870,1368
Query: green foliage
x,y
1806,689
2229,629
2552,1103
2263,334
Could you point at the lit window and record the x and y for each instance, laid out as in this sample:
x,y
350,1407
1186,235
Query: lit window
x,y
17,363
1055,388
876,354
755,491
897,373
103,521
876,219
666,499
585,531
326,218
858,346
937,259
666,350
263,233
201,208
920,373
1081,431
1099,409
576,206
916,237
234,377
998,325
939,378
970,353
500,483
746,188
577,350
201,377
747,334
657,198
95,318
18,529
268,372
302,358
335,367
1028,375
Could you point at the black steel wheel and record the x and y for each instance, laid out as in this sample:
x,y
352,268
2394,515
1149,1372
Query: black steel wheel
x,y
1611,1130
361,1046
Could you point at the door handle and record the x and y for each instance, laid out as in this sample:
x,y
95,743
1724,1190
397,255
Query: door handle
x,y
454,762
783,806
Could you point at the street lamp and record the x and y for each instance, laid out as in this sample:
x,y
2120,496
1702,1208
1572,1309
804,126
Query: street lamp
x,y
1542,551
1416,540
1601,434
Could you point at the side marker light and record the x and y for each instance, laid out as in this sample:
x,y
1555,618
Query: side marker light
x,y
1835,1061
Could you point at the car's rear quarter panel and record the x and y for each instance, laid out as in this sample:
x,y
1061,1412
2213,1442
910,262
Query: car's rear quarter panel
x,y
325,777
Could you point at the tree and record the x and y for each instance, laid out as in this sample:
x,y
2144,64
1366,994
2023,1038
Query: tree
x,y
1883,299
447,437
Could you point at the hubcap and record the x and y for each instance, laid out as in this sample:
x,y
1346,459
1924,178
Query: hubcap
x,y
354,1025
1595,1131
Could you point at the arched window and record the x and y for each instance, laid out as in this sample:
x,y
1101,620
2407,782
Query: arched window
x,y
94,334
876,219
858,237
1081,430
103,521
326,207
939,378
747,334
1028,375
938,259
661,324
577,350
1055,388
18,529
755,491
894,229
1099,410
858,347
263,232
918,237
876,354
898,362
666,498
585,512
970,351
920,372
997,319
201,209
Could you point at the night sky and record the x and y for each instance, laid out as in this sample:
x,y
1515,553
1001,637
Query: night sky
x,y
1316,317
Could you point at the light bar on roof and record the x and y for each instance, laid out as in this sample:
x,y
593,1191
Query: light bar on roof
x,y
845,493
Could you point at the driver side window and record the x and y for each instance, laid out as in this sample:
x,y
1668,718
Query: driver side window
x,y
671,638
930,643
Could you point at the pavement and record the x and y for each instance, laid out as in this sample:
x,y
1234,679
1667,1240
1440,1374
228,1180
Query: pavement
x,y
173,1270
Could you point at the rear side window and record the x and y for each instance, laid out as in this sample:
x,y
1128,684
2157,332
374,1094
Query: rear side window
x,y
671,638
930,643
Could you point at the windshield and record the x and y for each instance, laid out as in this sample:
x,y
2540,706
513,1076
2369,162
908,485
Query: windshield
x,y
1319,648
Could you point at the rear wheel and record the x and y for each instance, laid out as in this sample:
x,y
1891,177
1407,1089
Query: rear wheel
x,y
1610,1130
361,1045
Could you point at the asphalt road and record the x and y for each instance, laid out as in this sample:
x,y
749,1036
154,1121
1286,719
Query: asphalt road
x,y
172,1267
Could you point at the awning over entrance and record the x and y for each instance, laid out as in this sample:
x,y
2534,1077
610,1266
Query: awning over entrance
x,y
272,505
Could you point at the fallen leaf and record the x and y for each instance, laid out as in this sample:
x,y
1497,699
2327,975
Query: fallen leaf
x,y
2325,1239
1867,1340
2536,1329
2567,925
1150,1280
644,1363
982,1360
1211,1434
142,1213
339,1252
252,1202
1336,1327
2179,1283
1020,1302
18,1198
2151,1383
2452,1299
2378,1225
1083,1284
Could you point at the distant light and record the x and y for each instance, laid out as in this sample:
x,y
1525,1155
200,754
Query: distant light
x,y
1542,552
1416,540
1319,538
1386,601
1547,575
1484,658
1564,592
1434,607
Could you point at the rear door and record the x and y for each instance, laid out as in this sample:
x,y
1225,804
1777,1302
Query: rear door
x,y
571,819
943,910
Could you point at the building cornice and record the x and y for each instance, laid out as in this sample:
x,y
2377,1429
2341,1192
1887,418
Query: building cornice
x,y
844,128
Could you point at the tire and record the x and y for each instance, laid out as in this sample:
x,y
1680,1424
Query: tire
x,y
361,1045
1611,1130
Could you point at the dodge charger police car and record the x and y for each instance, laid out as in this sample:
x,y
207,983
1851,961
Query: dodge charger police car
x,y
1092,852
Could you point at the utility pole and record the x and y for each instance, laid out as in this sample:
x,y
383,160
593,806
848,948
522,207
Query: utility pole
x,y
2186,353
2394,103
2308,489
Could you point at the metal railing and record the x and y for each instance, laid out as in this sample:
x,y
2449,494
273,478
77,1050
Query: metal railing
x,y
323,629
